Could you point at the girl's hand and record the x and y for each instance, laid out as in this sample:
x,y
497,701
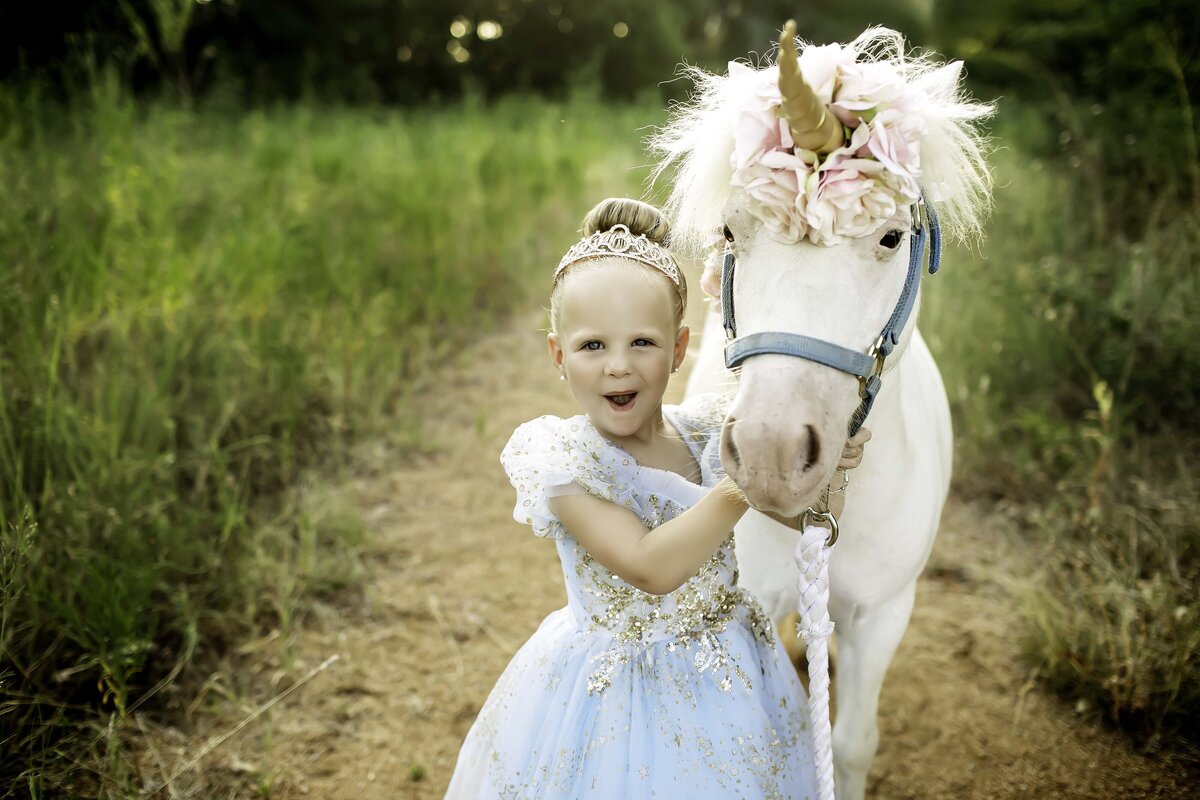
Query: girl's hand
x,y
852,453
732,492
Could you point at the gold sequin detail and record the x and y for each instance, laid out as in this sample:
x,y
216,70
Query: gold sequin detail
x,y
628,634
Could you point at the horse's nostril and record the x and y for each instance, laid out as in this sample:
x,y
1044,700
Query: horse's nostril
x,y
810,448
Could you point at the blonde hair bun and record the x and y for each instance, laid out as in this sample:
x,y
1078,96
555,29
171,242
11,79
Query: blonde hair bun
x,y
642,219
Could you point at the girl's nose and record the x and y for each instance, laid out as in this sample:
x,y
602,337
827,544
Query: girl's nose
x,y
617,365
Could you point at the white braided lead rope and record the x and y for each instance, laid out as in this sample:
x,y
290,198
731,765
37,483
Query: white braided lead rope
x,y
812,557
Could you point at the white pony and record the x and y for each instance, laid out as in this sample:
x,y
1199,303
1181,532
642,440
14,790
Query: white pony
x,y
830,266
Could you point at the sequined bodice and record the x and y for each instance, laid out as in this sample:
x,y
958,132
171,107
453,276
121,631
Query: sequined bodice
x,y
627,694
690,619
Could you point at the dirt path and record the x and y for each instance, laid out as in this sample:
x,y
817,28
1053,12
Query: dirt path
x,y
457,586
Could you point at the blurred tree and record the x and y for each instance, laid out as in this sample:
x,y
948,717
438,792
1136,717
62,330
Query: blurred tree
x,y
162,42
415,50
1118,79
1114,79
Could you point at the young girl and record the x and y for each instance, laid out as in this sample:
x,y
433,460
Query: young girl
x,y
661,678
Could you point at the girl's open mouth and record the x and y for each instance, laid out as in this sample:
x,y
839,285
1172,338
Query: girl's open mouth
x,y
621,402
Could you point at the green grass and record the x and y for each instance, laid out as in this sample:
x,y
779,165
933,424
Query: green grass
x,y
200,308
197,309
1069,355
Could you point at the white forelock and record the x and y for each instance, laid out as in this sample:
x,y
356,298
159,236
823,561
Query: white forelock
x,y
698,141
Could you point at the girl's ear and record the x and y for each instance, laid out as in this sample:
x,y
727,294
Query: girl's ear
x,y
681,345
556,351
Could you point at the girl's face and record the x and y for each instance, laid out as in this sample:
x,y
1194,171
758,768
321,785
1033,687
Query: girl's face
x,y
617,344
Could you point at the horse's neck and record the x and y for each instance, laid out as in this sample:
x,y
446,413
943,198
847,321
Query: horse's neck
x,y
910,414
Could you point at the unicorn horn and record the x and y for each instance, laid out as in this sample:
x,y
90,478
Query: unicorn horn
x,y
813,127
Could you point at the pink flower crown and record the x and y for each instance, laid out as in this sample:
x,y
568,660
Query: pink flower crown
x,y
860,156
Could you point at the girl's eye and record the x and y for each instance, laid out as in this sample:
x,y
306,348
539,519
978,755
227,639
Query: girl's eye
x,y
643,342
589,345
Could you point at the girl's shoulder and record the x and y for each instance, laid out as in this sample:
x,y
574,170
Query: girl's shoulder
x,y
568,444
545,434
548,453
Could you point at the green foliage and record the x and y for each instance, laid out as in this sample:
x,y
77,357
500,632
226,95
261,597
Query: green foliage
x,y
165,48
1116,81
365,51
1057,306
196,310
1070,351
1064,348
1114,617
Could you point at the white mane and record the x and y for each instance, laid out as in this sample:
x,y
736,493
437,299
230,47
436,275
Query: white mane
x,y
698,140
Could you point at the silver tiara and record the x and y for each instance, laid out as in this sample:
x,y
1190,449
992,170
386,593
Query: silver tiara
x,y
618,241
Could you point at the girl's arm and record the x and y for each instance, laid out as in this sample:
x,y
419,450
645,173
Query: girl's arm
x,y
657,561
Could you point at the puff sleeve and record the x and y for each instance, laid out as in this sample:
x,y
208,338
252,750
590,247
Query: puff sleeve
x,y
549,456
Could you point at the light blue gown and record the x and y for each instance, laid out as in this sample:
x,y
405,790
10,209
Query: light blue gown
x,y
625,695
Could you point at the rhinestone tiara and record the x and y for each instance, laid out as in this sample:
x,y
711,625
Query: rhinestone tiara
x,y
618,241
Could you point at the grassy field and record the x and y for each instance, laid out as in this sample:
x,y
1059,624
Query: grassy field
x,y
197,309
1065,349
200,308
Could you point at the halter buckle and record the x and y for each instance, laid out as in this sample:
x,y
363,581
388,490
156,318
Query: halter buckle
x,y
877,356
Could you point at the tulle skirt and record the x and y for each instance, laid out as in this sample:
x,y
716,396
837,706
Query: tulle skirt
x,y
722,719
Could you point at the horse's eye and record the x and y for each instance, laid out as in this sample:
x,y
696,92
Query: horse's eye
x,y
891,239
728,234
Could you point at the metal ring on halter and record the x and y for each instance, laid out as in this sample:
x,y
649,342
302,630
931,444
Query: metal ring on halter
x,y
813,517
877,356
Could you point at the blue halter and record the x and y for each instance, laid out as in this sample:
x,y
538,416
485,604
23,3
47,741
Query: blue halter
x,y
867,367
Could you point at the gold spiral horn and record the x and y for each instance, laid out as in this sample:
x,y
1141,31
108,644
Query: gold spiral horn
x,y
813,127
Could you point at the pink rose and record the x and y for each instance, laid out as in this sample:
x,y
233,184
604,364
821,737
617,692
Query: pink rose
x,y
896,141
710,280
848,197
759,128
764,168
757,132
864,89
820,65
773,190
850,192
